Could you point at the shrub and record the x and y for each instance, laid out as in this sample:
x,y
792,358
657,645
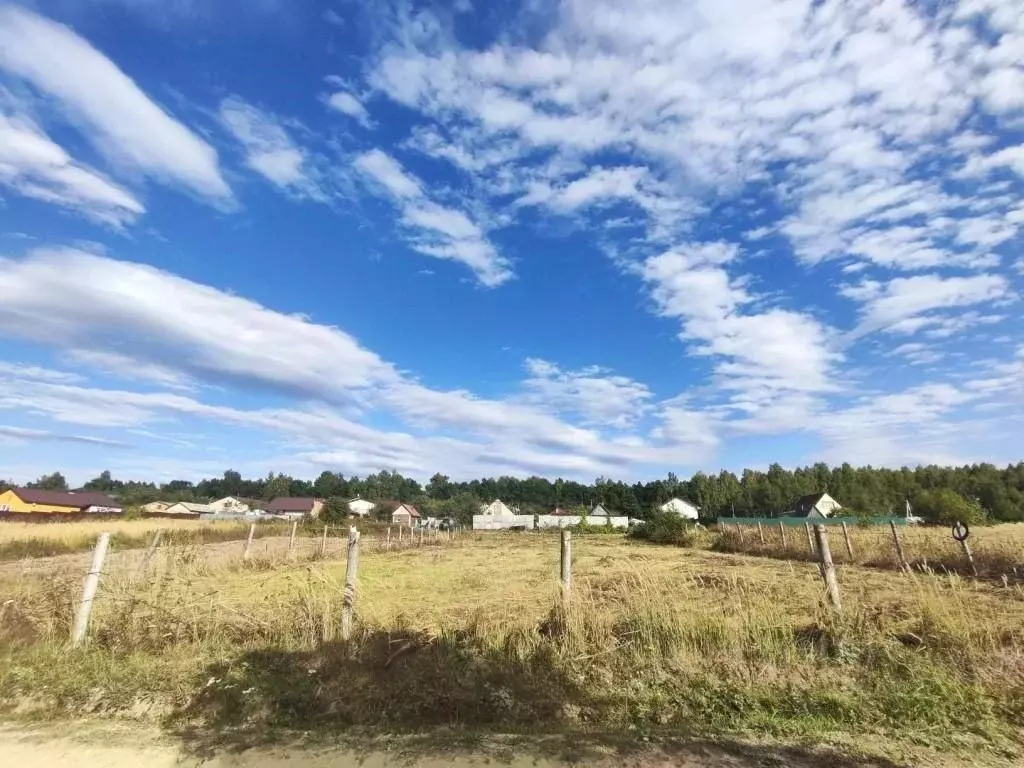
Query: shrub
x,y
665,528
585,526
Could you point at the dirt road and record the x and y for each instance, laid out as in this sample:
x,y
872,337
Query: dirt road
x,y
128,745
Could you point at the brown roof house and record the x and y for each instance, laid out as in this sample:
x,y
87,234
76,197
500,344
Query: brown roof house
x,y
404,514
24,500
295,506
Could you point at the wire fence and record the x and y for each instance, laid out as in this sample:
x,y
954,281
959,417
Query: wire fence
x,y
997,551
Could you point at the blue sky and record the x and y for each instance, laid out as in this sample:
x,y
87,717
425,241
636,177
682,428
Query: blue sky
x,y
571,239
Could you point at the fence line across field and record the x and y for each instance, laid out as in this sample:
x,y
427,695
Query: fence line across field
x,y
319,549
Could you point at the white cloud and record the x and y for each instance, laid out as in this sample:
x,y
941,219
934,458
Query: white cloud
x,y
435,230
599,397
182,334
156,315
387,171
107,105
842,109
269,150
773,348
31,164
347,104
906,305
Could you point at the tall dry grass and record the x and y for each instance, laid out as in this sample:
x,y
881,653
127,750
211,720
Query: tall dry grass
x,y
474,633
998,550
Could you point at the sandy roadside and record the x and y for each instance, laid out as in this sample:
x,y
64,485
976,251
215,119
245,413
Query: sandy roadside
x,y
105,744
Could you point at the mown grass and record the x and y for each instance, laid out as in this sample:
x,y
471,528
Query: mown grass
x,y
998,550
474,634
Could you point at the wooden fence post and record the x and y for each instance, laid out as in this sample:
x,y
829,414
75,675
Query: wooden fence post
x,y
760,532
739,530
421,537
782,530
904,566
565,563
400,537
970,557
810,541
248,541
846,535
828,570
92,583
348,600
387,545
149,552
291,539
323,543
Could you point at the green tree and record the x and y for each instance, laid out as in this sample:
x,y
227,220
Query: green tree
x,y
946,506
52,482
439,487
104,483
277,485
335,510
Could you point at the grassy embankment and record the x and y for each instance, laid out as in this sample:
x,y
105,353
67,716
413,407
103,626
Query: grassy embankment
x,y
657,640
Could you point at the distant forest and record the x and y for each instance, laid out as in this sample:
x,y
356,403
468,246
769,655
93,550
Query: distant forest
x,y
993,493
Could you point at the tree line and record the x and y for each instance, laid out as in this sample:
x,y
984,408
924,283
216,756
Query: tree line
x,y
991,492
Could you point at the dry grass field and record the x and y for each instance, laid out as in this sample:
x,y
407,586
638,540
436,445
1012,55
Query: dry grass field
x,y
34,540
655,642
998,550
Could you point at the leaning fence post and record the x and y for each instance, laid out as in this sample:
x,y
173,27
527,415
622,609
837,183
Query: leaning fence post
x,y
828,570
92,583
291,539
760,532
960,533
782,530
810,541
248,542
150,552
846,535
904,566
348,600
739,530
565,563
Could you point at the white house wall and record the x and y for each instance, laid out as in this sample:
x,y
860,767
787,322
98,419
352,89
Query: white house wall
x,y
502,523
565,521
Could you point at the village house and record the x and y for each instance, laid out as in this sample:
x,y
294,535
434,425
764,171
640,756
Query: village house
x,y
188,508
155,507
360,507
814,505
405,514
295,506
496,509
682,508
228,505
30,500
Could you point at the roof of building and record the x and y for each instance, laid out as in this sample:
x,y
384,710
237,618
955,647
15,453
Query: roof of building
x,y
81,499
805,504
599,511
413,512
192,506
292,504
561,512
